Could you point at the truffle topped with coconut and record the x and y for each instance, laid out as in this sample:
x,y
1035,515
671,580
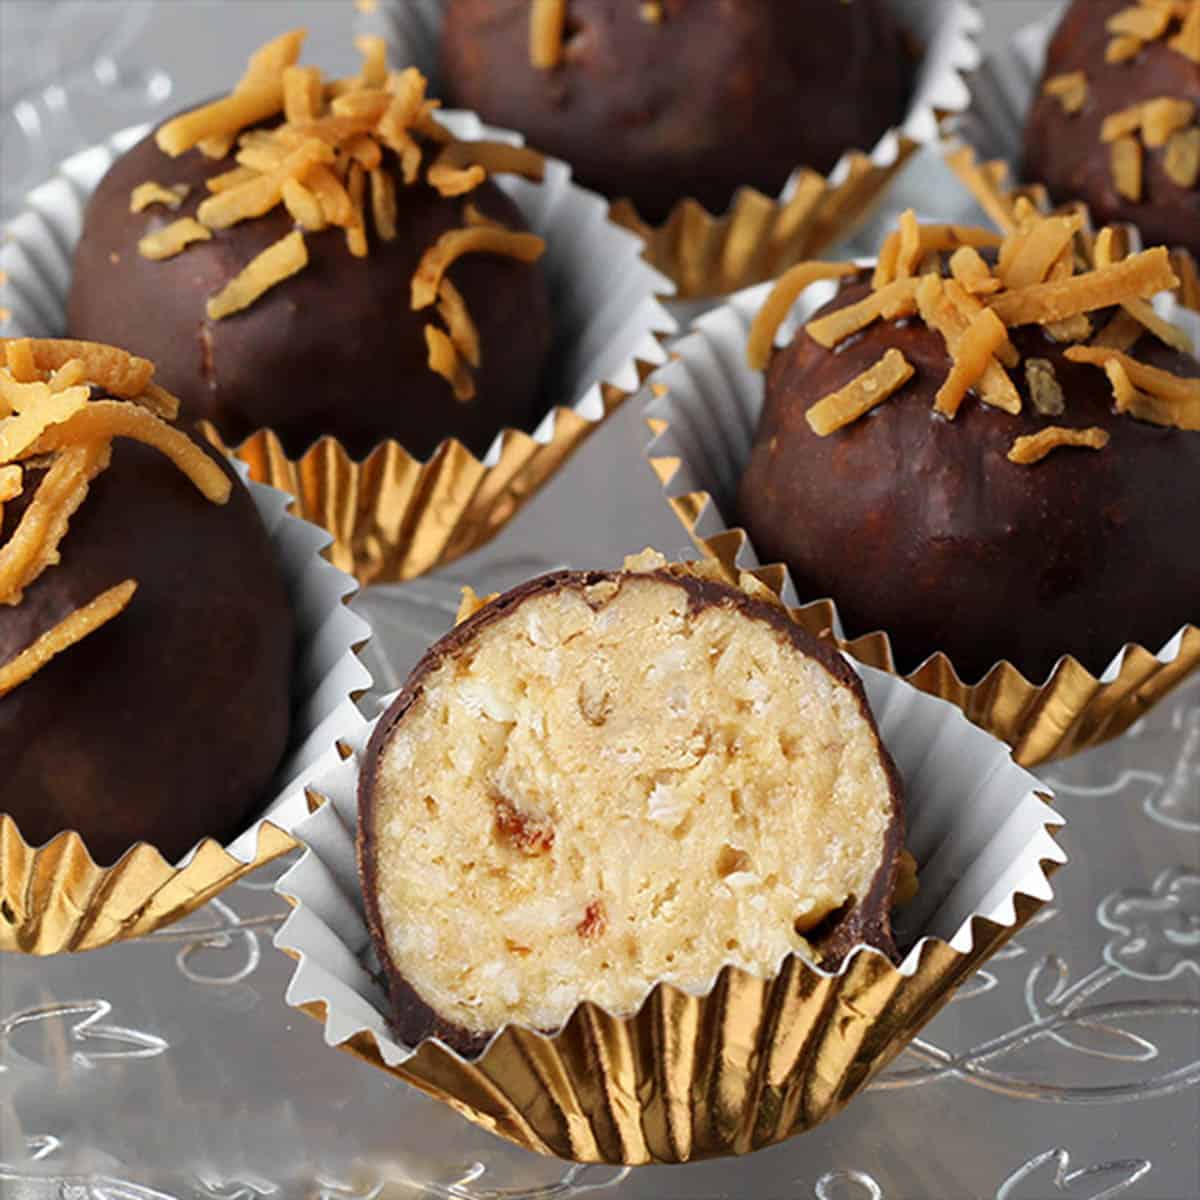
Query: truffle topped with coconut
x,y
986,445
322,257
145,631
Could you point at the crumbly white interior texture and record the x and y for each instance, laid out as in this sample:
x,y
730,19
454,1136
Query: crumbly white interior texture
x,y
604,790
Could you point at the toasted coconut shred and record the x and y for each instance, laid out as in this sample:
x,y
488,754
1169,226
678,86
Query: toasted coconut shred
x,y
861,394
1045,392
1164,124
1034,447
1071,90
173,239
146,194
445,360
50,425
334,158
1178,21
547,23
1050,270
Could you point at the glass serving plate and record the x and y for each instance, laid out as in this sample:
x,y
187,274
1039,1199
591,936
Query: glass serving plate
x,y
171,1068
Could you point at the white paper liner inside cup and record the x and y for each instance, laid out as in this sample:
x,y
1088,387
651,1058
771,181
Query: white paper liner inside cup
x,y
1002,91
976,825
711,401
327,672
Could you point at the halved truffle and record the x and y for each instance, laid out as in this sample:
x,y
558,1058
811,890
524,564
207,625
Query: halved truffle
x,y
605,780
344,268
1115,118
145,631
677,98
989,447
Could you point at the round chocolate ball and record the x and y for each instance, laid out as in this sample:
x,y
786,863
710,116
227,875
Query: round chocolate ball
x,y
1064,150
921,527
166,724
336,349
657,102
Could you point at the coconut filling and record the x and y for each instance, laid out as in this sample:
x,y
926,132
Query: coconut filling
x,y
604,789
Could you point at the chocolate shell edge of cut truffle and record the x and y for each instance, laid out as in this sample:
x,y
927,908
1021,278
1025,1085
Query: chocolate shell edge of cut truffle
x,y
868,922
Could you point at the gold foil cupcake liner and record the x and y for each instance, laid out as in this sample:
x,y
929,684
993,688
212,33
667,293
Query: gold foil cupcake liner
x,y
761,236
55,899
391,516
709,255
751,1061
702,420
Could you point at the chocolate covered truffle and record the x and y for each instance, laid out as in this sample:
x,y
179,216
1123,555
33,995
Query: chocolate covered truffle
x,y
603,780
988,447
1114,121
145,633
681,98
322,258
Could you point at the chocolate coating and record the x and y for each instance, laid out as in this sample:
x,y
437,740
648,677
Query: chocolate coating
x,y
166,724
334,350
867,921
921,527
718,95
1064,151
